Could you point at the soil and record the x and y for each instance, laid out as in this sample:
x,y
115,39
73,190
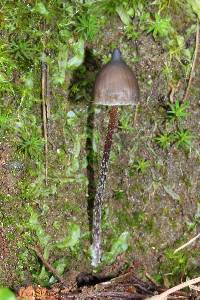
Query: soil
x,y
89,286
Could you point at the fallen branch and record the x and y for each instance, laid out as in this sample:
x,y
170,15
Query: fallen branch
x,y
194,287
164,295
187,244
115,295
46,264
194,63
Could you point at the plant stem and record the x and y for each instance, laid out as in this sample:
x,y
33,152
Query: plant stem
x,y
194,63
46,263
96,231
45,113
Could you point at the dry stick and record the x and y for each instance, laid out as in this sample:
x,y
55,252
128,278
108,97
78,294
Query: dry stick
x,y
45,263
115,295
136,114
187,244
164,295
45,113
194,62
194,287
151,279
173,91
96,230
47,93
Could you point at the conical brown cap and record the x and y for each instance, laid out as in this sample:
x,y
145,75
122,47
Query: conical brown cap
x,y
116,84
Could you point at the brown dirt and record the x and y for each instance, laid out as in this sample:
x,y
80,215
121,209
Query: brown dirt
x,y
126,286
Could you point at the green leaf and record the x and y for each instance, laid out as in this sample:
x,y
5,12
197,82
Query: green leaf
x,y
195,6
41,9
2,78
123,14
59,75
60,266
35,226
43,276
119,246
177,110
160,27
6,294
77,59
72,239
183,139
164,140
71,64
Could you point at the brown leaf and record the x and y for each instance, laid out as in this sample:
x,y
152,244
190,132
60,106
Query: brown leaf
x,y
27,293
41,293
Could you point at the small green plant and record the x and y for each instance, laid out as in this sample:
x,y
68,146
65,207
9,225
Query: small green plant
x,y
169,4
176,49
130,32
167,71
125,121
119,245
177,110
31,144
71,242
44,242
88,26
22,50
160,27
127,11
140,165
195,7
174,265
6,123
108,7
164,140
191,224
183,139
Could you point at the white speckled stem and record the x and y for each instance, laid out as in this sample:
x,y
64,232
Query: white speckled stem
x,y
96,230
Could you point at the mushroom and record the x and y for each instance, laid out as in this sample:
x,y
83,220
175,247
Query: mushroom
x,y
115,85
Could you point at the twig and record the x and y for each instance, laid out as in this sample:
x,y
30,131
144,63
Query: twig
x,y
136,114
194,62
151,279
45,112
122,277
173,90
194,287
45,263
164,295
188,243
116,295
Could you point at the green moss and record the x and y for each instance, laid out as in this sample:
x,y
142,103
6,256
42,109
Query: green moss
x,y
174,265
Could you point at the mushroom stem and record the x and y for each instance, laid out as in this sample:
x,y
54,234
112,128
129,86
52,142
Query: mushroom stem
x,y
96,230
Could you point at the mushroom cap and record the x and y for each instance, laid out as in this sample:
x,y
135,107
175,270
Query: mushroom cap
x,y
116,84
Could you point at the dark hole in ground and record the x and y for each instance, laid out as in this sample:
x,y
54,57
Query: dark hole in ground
x,y
80,90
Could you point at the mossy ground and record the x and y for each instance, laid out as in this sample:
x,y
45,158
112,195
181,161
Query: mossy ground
x,y
157,206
